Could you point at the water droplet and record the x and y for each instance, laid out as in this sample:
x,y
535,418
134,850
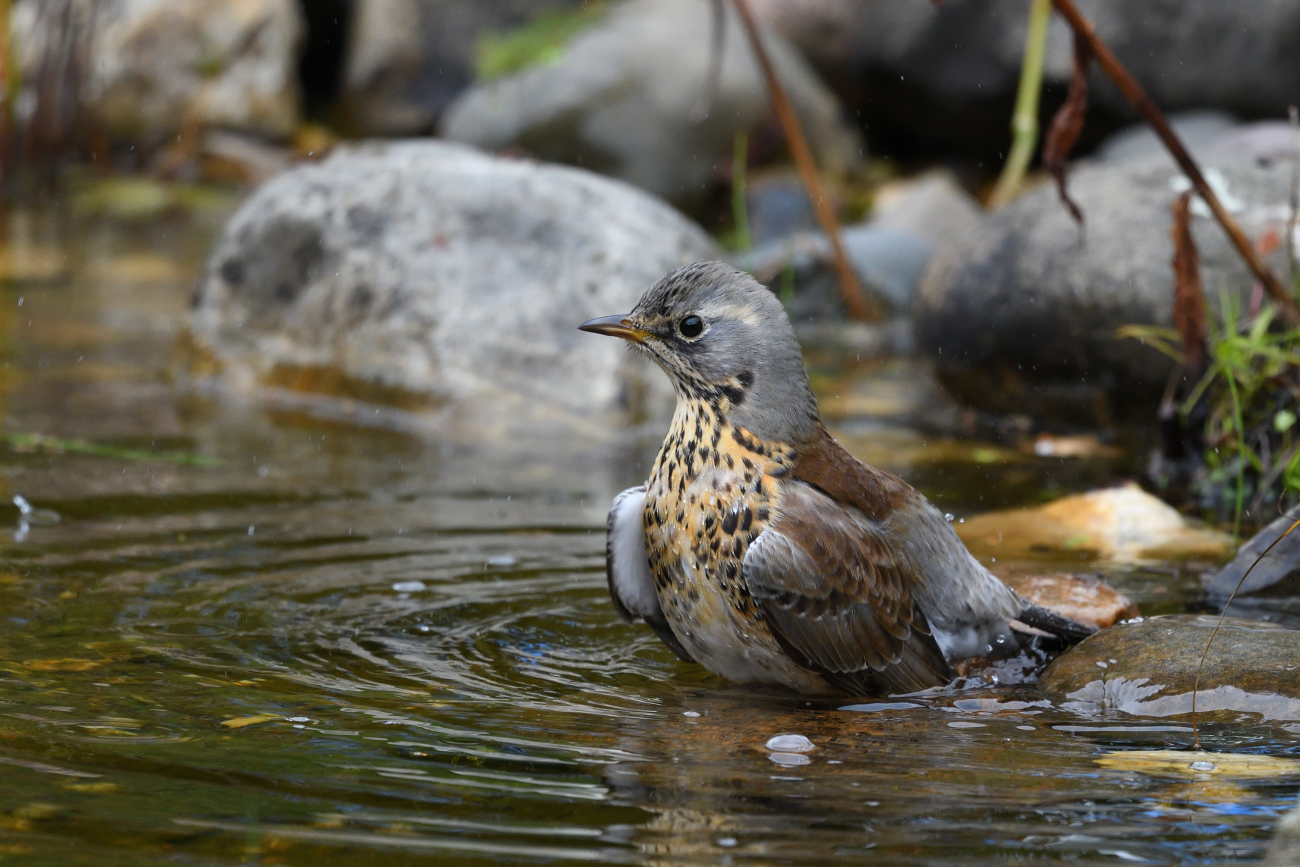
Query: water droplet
x,y
790,744
501,561
948,516
690,713
1202,766
789,760
409,587
727,842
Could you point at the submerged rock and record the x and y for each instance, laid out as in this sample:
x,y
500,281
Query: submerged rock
x,y
1119,525
1147,668
629,97
430,276
153,64
1021,315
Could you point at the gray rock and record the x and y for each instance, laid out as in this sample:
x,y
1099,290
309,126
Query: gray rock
x,y
778,206
801,269
1284,851
947,75
1197,130
408,59
1148,667
1277,575
434,278
1021,314
151,64
628,97
933,207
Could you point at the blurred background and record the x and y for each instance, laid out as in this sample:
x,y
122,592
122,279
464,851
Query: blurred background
x,y
305,467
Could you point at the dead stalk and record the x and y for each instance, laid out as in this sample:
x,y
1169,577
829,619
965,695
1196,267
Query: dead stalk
x,y
858,305
1132,91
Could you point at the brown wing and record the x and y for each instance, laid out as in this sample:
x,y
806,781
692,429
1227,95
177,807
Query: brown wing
x,y
825,465
835,593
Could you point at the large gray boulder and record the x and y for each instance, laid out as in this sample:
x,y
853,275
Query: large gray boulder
x,y
149,65
434,278
946,73
408,59
629,96
1021,314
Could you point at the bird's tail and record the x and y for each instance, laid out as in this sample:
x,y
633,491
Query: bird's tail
x,y
1069,631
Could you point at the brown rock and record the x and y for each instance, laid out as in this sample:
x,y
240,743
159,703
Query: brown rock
x,y
1084,598
1119,525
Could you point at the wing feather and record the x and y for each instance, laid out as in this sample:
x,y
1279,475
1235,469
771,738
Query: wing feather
x,y
835,592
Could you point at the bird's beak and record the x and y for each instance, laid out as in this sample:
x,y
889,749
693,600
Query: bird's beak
x,y
617,325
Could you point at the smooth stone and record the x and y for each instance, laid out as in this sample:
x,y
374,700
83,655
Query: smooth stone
x,y
1278,572
1117,525
1147,668
407,60
1198,131
944,76
629,97
1083,598
444,283
1284,851
151,64
888,264
1021,315
932,206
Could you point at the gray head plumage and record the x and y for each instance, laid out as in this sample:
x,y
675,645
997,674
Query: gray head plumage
x,y
744,355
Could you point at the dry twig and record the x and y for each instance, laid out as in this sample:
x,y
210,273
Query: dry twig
x,y
858,305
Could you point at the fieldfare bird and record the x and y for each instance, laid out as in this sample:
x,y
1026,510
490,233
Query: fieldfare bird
x,y
764,551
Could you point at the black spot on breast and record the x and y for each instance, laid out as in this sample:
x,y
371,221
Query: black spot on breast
x,y
729,522
746,520
745,378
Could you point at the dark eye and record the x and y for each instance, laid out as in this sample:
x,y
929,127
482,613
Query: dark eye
x,y
691,326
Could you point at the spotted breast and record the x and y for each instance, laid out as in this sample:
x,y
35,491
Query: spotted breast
x,y
712,491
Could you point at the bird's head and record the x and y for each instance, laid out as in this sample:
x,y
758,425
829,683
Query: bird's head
x,y
724,338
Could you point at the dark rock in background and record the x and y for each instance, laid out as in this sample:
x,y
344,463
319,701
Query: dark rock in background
x,y
1272,589
408,59
930,77
911,220
1021,315
629,98
146,67
430,276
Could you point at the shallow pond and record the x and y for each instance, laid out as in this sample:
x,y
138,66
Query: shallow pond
x,y
256,635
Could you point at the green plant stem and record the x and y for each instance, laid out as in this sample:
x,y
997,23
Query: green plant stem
x,y
739,200
1024,121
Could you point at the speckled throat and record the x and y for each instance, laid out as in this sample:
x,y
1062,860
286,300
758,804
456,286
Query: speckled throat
x,y
714,487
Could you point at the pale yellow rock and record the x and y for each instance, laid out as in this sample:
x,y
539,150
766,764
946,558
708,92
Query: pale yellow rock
x,y
1119,525
1189,763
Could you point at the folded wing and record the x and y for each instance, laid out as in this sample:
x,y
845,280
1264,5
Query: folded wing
x,y
836,595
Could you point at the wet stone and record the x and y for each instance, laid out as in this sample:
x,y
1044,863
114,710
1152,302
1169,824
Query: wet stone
x,y
1147,668
1276,575
1119,525
1084,598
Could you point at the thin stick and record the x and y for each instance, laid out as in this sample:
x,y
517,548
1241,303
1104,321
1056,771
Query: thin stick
x,y
1293,266
858,305
1135,94
1024,121
1196,684
6,114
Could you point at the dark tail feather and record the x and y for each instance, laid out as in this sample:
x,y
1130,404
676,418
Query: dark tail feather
x,y
1057,624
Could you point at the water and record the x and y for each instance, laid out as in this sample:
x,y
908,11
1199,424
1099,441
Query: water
x,y
343,644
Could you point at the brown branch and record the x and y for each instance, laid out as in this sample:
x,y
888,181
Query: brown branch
x,y
1136,95
1189,298
858,305
1066,126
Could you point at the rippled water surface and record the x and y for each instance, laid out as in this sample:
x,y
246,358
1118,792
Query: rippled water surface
x,y
256,635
